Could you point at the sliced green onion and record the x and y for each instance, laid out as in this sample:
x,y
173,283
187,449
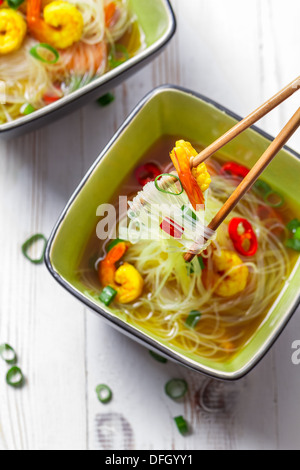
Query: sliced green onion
x,y
15,377
201,262
193,318
29,243
8,354
293,243
190,267
163,190
104,393
107,295
27,109
176,388
157,357
34,52
120,50
277,203
181,424
113,243
262,187
105,100
14,4
297,233
187,211
293,225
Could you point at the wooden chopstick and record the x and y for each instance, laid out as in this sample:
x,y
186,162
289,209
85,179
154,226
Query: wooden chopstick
x,y
247,122
252,176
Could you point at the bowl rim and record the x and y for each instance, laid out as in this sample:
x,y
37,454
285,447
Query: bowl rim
x,y
102,81
128,329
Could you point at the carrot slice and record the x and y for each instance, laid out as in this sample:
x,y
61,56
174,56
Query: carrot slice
x,y
109,11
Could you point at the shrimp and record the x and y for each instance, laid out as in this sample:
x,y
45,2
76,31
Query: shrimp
x,y
229,264
61,26
12,30
126,280
195,181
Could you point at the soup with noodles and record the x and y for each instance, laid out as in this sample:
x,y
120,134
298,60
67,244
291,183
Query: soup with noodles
x,y
48,49
213,305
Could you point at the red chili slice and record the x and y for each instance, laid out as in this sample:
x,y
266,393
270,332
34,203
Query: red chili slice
x,y
146,173
234,169
248,237
171,228
50,99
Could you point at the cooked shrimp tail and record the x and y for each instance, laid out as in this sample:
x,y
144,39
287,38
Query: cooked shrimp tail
x,y
61,26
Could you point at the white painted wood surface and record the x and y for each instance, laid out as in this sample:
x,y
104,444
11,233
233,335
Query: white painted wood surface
x,y
238,53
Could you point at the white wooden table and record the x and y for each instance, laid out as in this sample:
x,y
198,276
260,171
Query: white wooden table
x,y
238,52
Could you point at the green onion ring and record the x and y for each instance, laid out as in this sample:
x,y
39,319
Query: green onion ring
x,y
275,205
26,245
6,348
15,377
181,424
34,52
193,319
14,4
262,187
113,62
157,357
104,393
176,388
163,190
105,100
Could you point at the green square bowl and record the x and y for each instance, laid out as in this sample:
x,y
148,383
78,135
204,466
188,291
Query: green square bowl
x,y
158,24
170,110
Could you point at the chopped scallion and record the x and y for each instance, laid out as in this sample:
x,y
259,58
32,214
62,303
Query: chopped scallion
x,y
14,4
27,245
34,51
293,225
201,262
181,424
190,267
297,233
104,393
165,191
113,243
107,295
8,354
293,243
262,187
15,377
274,199
26,109
193,319
157,357
188,213
105,100
117,56
176,388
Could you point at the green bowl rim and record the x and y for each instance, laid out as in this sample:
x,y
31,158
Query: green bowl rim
x,y
128,329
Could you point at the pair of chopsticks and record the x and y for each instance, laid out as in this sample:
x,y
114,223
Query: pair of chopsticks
x,y
273,149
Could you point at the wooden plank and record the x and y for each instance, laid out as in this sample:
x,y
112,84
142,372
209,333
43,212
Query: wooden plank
x,y
45,325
